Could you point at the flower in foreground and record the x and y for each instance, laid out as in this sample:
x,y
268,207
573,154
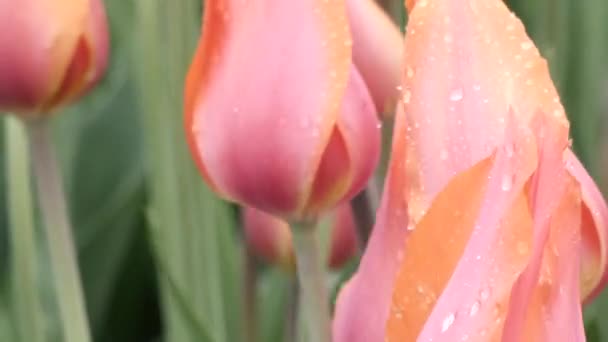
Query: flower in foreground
x,y
490,229
51,52
277,113
269,237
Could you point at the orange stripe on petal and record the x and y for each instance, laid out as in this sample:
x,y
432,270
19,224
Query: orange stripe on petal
x,y
465,64
371,287
469,301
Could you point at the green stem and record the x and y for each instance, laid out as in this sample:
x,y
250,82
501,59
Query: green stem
x,y
311,277
250,296
64,263
24,273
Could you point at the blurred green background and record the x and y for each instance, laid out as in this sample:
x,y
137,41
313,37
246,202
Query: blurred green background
x,y
161,256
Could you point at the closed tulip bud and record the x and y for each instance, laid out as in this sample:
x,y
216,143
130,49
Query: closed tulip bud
x,y
51,52
284,120
269,238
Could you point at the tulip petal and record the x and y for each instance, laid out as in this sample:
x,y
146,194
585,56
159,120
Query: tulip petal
x,y
594,230
268,237
466,63
345,243
545,304
269,104
361,296
89,60
353,150
488,247
555,204
37,39
377,51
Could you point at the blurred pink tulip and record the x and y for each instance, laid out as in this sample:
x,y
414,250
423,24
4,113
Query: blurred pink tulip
x,y
489,229
51,52
278,113
270,237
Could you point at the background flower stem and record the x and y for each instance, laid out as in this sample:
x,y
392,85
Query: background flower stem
x,y
311,277
51,197
26,299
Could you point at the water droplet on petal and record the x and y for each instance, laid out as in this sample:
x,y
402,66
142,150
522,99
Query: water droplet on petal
x,y
506,182
456,94
527,45
474,308
443,155
407,96
447,322
522,247
484,294
409,72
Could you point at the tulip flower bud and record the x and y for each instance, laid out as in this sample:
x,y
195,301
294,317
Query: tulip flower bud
x,y
280,120
270,237
51,52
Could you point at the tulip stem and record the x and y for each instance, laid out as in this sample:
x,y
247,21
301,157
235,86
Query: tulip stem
x,y
63,257
311,277
26,298
250,295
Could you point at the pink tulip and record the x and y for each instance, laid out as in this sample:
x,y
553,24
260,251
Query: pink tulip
x,y
489,229
269,237
277,113
51,52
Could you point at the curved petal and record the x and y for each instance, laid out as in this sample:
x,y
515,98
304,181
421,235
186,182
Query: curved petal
x,y
594,230
377,51
485,245
362,307
268,237
543,298
88,62
344,240
281,89
352,152
466,64
37,40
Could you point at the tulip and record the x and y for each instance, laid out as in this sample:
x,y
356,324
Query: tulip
x,y
51,52
283,120
489,229
269,238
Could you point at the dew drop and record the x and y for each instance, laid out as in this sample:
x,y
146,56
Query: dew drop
x,y
443,155
447,38
484,294
447,322
474,308
522,247
456,94
476,87
409,72
235,109
407,96
506,182
527,45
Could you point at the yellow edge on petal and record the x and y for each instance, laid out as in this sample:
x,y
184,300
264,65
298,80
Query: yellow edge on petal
x,y
64,22
334,21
